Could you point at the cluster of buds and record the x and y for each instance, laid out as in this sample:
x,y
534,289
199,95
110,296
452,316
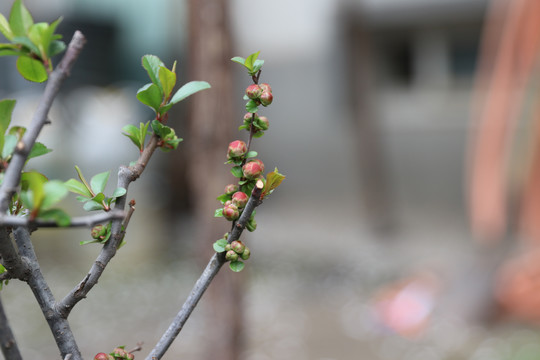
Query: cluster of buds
x,y
236,250
236,150
118,354
233,207
261,94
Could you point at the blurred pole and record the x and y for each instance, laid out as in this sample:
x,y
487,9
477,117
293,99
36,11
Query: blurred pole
x,y
210,130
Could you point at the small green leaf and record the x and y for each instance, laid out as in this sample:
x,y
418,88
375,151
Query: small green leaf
x,y
243,127
91,205
58,215
36,33
86,242
20,19
78,187
189,89
152,64
218,212
31,69
251,154
258,134
5,29
27,43
38,149
99,181
150,95
236,171
236,266
34,182
6,110
219,246
55,191
273,180
10,141
251,106
56,47
119,192
167,79
132,132
239,60
257,65
251,59
223,197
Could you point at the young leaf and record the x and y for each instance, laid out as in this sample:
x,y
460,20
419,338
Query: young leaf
x,y
20,19
273,180
219,246
218,212
59,216
34,182
251,59
251,154
132,132
167,78
99,181
150,95
223,197
119,192
26,43
91,205
55,191
78,187
5,29
56,47
6,109
239,60
38,149
257,65
189,89
236,171
236,266
10,141
31,69
152,64
251,106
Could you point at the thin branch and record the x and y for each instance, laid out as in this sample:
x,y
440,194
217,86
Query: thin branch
x,y
59,326
213,267
56,78
9,347
126,176
80,221
14,264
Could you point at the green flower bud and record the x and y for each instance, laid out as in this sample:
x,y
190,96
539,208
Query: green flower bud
x,y
231,255
246,254
231,189
238,247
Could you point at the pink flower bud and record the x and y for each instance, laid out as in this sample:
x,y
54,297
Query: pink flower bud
x,y
231,255
240,199
103,356
266,98
230,212
238,247
253,91
130,356
236,149
253,169
265,87
231,189
248,116
97,231
263,122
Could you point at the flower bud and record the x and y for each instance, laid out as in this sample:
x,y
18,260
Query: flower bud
x,y
228,247
248,116
103,356
119,352
130,356
238,247
253,169
97,231
240,199
231,255
265,87
253,91
263,123
266,98
231,189
246,254
236,149
230,212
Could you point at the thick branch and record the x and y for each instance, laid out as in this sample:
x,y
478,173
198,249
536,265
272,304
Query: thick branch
x,y
56,78
59,326
126,176
15,266
213,267
9,347
81,221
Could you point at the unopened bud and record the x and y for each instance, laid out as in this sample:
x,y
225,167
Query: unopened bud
x,y
240,199
119,352
253,91
253,169
263,122
266,98
265,87
236,149
103,356
231,189
230,212
231,255
97,231
246,254
238,247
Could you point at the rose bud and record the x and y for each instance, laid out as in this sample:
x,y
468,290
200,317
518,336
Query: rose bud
x,y
238,247
253,169
236,149
230,212
246,254
231,255
253,91
240,199
266,98
231,189
265,87
103,356
263,123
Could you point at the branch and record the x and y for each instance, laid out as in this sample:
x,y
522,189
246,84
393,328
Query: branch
x,y
126,176
213,267
9,347
56,78
15,266
59,326
81,221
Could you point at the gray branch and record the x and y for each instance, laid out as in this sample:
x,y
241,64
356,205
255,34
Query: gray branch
x,y
56,78
9,347
80,221
213,267
14,264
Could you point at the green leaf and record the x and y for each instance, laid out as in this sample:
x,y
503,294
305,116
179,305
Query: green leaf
x,y
20,19
27,43
236,266
152,64
56,47
219,246
78,187
189,89
38,149
236,171
5,29
34,182
273,180
150,95
132,132
36,33
31,69
251,59
99,181
91,205
119,192
258,134
167,78
218,212
55,191
239,60
251,154
6,110
223,197
257,65
10,141
251,106
59,216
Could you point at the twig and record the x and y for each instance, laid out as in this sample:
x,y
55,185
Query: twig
x,y
213,267
13,172
15,266
81,221
126,176
59,326
9,347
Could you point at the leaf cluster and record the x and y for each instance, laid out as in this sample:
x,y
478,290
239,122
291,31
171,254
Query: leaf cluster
x,y
33,43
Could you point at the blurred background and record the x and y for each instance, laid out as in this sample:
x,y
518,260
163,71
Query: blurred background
x,y
366,250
